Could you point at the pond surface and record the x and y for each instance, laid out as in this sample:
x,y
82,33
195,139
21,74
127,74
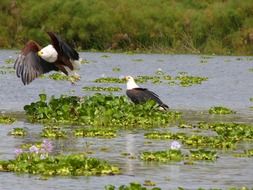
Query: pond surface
x,y
229,84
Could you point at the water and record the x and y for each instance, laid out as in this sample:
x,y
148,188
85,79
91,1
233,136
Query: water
x,y
229,84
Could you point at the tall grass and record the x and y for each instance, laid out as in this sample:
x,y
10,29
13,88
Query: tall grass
x,y
181,26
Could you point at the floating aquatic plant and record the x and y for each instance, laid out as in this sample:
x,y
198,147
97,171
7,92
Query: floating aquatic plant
x,y
109,80
58,76
149,183
159,72
152,79
39,161
99,88
42,148
9,60
116,69
195,140
220,110
84,61
163,156
6,70
18,132
246,153
131,186
6,119
61,76
186,80
202,154
105,56
230,131
98,110
171,155
230,188
182,79
53,132
84,132
64,165
228,135
137,60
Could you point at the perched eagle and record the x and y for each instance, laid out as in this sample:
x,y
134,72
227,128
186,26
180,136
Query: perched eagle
x,y
58,56
142,95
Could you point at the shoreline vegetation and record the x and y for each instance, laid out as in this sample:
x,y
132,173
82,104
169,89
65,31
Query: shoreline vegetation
x,y
157,26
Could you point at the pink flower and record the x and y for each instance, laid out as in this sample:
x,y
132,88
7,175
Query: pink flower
x,y
34,149
18,151
46,146
175,145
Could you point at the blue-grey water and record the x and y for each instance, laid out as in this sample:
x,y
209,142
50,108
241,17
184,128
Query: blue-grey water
x,y
229,84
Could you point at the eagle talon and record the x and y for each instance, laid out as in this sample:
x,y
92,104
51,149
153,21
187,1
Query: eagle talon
x,y
76,77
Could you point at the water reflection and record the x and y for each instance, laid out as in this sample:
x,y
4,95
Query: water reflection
x,y
131,150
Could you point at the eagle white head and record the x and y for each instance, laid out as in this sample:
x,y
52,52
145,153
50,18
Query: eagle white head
x,y
48,53
131,83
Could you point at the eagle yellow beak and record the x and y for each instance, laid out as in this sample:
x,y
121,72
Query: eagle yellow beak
x,y
39,53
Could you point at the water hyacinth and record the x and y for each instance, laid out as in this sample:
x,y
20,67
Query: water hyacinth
x,y
6,119
59,165
46,146
98,110
175,145
18,151
43,150
34,149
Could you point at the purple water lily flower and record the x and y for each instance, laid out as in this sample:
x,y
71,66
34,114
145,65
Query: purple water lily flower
x,y
46,146
34,149
18,151
175,145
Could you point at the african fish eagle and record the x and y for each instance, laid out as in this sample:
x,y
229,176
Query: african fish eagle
x,y
58,56
141,95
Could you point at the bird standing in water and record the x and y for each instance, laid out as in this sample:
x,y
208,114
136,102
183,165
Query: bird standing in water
x,y
141,95
57,56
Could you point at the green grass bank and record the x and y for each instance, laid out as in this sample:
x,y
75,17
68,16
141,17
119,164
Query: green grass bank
x,y
171,26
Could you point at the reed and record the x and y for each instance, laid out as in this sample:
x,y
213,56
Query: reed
x,y
185,26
